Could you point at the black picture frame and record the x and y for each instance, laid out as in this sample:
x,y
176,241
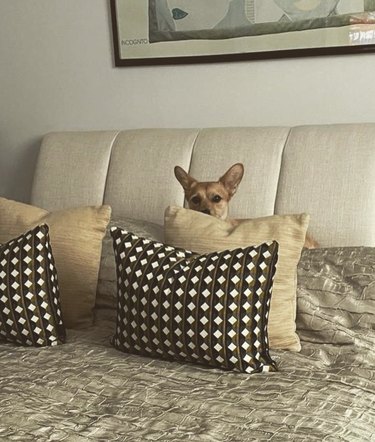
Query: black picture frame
x,y
141,40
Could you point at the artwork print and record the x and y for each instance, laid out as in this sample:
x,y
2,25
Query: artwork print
x,y
185,30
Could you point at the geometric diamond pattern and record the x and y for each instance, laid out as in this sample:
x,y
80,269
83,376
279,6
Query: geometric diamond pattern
x,y
209,309
30,312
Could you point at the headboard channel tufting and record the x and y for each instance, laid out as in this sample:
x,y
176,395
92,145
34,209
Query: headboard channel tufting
x,y
324,170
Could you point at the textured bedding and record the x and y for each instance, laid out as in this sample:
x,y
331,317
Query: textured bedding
x,y
86,390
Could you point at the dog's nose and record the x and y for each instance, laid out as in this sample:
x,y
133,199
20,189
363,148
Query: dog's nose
x,y
206,211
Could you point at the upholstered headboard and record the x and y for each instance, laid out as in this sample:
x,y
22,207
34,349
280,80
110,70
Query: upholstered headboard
x,y
327,171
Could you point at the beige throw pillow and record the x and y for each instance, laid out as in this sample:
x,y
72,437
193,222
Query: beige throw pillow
x,y
203,234
76,240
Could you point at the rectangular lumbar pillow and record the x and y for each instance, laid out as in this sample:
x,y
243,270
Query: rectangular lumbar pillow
x,y
210,309
76,238
203,234
30,312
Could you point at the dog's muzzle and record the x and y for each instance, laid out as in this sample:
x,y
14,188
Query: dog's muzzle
x,y
206,211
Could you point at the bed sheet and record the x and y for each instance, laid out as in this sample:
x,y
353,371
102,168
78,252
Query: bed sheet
x,y
85,390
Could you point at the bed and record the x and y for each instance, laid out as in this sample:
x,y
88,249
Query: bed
x,y
85,389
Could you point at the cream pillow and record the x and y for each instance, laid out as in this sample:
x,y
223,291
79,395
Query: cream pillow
x,y
76,240
201,233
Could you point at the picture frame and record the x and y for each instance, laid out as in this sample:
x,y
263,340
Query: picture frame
x,y
154,32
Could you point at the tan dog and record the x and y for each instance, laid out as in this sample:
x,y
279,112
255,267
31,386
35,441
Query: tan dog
x,y
212,197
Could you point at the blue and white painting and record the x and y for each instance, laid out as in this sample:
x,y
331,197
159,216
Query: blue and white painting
x,y
218,19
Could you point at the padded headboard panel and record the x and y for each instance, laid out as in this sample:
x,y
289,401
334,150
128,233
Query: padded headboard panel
x,y
327,171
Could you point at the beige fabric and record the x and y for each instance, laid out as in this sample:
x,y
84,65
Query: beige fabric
x,y
328,171
76,240
72,169
202,234
258,148
141,181
106,294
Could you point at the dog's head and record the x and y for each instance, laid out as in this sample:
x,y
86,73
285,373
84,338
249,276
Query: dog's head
x,y
211,197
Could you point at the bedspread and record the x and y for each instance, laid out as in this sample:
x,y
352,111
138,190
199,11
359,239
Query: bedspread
x,y
85,390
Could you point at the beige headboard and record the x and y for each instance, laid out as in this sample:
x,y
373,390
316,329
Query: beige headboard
x,y
327,171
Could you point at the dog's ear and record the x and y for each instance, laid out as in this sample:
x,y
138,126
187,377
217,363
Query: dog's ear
x,y
232,178
184,178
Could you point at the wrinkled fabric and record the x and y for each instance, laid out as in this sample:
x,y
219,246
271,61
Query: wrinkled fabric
x,y
85,390
107,280
336,296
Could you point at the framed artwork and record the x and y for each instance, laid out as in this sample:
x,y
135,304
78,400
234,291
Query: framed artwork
x,y
191,31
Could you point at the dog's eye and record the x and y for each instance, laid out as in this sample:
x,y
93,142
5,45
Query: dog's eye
x,y
217,199
195,200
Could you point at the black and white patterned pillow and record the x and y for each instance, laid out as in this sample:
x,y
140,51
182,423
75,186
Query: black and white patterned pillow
x,y
30,311
210,309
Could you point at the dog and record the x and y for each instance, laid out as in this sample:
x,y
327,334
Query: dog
x,y
212,197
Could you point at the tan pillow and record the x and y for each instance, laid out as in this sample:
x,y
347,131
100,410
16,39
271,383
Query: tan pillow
x,y
76,240
203,234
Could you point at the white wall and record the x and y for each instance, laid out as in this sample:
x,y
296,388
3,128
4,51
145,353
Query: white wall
x,y
57,73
